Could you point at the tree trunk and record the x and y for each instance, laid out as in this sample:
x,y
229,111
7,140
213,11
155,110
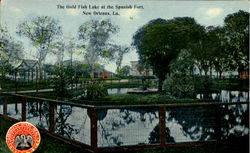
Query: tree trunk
x,y
211,72
220,74
92,71
200,71
41,70
160,82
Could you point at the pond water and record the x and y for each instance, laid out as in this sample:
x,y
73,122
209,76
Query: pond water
x,y
223,96
140,126
226,96
118,91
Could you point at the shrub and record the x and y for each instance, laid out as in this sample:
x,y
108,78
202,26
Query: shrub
x,y
96,90
179,85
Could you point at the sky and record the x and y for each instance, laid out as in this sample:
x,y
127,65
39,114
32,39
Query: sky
x,y
206,13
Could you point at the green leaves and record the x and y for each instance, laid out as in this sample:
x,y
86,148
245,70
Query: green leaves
x,y
160,41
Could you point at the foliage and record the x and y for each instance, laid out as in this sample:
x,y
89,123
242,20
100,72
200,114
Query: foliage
x,y
160,41
179,85
61,79
42,31
206,84
237,34
96,36
10,52
124,71
96,90
120,50
219,56
183,63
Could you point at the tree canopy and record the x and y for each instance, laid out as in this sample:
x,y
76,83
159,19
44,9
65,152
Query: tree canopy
x,y
96,36
237,34
160,41
10,51
41,31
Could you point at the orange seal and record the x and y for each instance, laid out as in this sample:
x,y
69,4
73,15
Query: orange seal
x,y
23,137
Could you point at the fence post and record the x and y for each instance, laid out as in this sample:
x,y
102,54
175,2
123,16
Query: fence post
x,y
29,75
218,123
36,80
15,81
24,101
5,105
162,116
51,117
93,136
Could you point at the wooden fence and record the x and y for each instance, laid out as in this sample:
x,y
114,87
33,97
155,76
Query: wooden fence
x,y
93,146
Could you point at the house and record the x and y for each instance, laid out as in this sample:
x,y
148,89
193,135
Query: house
x,y
99,70
244,74
29,70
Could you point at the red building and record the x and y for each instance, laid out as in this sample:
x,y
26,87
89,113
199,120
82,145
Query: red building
x,y
244,74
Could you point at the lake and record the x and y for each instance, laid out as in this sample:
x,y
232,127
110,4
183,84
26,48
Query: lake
x,y
139,126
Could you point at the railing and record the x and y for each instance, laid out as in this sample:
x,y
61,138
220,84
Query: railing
x,y
103,128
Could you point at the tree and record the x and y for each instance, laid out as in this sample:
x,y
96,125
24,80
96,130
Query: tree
x,y
10,52
121,50
202,52
160,41
41,31
237,34
96,36
184,63
124,71
220,58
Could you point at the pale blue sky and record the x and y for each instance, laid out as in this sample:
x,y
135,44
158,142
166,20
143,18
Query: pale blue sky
x,y
205,13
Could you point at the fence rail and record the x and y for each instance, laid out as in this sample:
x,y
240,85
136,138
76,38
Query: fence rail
x,y
99,131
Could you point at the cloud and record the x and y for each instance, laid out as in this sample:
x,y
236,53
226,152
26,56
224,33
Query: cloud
x,y
213,12
73,12
15,9
130,14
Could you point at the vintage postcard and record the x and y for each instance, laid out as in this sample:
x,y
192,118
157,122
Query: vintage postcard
x,y
120,76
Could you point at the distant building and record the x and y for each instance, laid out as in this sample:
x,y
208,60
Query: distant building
x,y
29,70
134,70
99,71
244,74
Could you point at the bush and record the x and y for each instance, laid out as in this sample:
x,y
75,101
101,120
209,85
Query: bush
x,y
179,85
206,85
96,90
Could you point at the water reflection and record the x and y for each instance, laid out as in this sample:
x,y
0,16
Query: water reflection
x,y
119,127
189,124
235,121
1,105
37,113
73,122
14,111
226,96
118,91
1,109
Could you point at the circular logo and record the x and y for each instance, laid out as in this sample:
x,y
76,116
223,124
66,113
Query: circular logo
x,y
23,137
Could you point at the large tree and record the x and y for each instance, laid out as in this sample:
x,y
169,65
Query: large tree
x,y
237,34
219,56
203,50
96,36
160,41
42,31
